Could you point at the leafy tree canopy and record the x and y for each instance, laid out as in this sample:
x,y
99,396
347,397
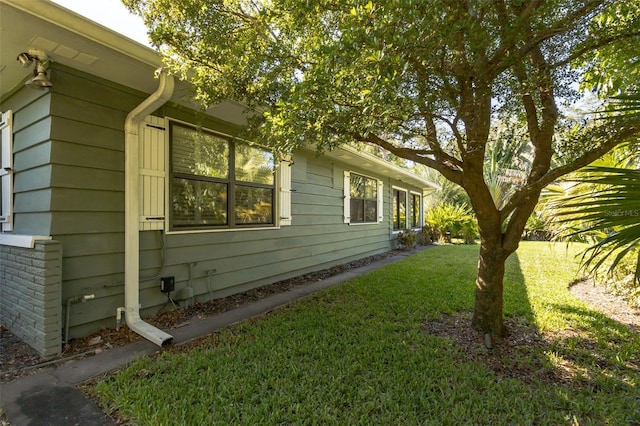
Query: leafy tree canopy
x,y
614,68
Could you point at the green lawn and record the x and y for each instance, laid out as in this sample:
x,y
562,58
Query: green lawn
x,y
357,354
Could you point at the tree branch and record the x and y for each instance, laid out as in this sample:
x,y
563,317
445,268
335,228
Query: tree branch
x,y
610,141
450,167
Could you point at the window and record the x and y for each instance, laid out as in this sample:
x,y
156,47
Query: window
x,y
416,210
6,171
363,199
399,209
218,182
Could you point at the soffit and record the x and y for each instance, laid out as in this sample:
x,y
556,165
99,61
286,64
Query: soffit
x,y
71,40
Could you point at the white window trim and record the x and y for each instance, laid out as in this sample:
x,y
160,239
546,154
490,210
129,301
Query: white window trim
x,y
152,174
347,199
346,189
283,203
6,171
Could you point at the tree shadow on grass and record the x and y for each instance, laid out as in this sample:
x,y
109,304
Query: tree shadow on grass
x,y
596,353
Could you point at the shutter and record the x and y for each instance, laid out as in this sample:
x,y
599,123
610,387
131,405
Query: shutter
x,y
6,171
380,201
152,173
347,197
285,191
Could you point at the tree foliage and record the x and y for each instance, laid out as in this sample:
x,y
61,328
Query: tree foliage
x,y
424,80
614,68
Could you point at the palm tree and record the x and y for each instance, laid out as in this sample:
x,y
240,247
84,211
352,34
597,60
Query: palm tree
x,y
610,212
606,201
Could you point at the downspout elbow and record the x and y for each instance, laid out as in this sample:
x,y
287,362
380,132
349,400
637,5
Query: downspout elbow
x,y
131,229
146,330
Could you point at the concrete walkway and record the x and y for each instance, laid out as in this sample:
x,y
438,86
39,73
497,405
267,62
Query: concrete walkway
x,y
52,398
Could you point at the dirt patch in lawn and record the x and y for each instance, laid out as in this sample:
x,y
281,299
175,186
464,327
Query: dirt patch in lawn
x,y
507,357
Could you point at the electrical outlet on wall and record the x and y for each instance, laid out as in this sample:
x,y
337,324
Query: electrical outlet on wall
x,y
167,284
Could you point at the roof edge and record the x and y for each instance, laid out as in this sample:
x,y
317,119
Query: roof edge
x,y
378,164
78,24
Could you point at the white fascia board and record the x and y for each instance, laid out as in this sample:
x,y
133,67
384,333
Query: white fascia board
x,y
364,160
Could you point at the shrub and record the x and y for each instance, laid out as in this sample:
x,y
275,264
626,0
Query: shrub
x,y
448,220
406,239
425,235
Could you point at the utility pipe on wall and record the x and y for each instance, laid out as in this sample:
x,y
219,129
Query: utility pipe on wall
x,y
131,198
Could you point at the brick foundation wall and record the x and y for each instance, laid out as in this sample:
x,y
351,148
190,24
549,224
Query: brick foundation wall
x,y
31,295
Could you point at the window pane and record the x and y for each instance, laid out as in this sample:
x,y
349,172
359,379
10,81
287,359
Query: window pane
x,y
364,198
357,184
254,164
197,203
371,210
357,210
253,205
371,189
199,153
399,209
415,211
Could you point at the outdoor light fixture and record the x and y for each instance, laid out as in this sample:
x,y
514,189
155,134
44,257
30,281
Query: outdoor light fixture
x,y
25,59
40,80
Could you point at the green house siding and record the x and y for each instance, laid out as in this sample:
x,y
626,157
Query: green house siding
x,y
70,185
31,160
87,193
216,264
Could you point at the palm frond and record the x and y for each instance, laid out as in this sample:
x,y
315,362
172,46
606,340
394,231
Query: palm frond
x,y
611,208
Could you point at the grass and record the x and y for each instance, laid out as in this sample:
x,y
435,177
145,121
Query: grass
x,y
357,354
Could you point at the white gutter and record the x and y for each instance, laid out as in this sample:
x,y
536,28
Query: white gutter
x,y
131,198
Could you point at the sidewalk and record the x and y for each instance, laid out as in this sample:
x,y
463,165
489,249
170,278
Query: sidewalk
x,y
52,398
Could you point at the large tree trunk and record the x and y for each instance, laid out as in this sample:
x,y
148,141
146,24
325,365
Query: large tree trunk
x,y
495,248
487,312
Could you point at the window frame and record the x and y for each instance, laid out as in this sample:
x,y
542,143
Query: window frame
x,y
379,214
231,183
396,207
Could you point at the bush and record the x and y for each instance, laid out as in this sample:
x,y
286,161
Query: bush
x,y
452,221
537,228
425,236
406,239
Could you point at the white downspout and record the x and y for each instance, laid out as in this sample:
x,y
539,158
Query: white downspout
x,y
131,199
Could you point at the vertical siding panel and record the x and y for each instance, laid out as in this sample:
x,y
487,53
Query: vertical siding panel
x,y
6,171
